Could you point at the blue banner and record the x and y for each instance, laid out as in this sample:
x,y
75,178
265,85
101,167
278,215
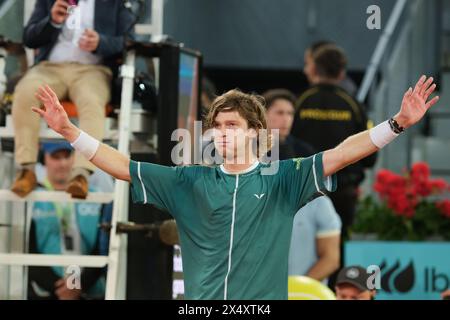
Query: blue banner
x,y
409,270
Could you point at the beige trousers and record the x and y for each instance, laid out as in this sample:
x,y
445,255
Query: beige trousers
x,y
87,86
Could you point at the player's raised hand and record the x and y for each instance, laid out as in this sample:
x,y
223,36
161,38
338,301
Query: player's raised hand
x,y
416,102
52,111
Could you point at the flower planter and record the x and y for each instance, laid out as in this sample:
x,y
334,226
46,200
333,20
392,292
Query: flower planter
x,y
408,207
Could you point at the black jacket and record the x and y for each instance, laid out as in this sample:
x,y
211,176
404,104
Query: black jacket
x,y
295,148
325,116
111,20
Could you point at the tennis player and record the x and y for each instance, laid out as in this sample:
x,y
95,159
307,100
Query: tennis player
x,y
234,221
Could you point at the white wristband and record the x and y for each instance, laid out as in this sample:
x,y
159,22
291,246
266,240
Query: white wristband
x,y
86,145
382,134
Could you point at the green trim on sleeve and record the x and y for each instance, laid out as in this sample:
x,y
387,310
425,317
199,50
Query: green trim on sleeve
x,y
137,190
323,184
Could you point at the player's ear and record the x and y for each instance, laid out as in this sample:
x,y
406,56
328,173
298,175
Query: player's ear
x,y
313,69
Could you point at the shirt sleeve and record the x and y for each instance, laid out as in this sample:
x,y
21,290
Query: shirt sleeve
x,y
155,184
328,222
303,180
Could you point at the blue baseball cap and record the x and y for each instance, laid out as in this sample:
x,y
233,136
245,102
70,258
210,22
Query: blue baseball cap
x,y
52,147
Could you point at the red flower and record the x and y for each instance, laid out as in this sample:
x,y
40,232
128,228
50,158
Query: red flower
x,y
423,188
402,204
438,185
403,193
444,207
420,171
388,182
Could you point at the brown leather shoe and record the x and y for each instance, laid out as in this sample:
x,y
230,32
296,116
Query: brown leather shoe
x,y
24,183
78,187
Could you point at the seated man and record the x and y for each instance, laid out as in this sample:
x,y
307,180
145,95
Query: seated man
x,y
352,284
64,228
316,229
74,54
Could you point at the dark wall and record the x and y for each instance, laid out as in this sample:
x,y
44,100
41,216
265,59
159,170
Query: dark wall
x,y
272,34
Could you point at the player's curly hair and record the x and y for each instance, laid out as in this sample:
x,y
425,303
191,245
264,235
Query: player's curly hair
x,y
251,107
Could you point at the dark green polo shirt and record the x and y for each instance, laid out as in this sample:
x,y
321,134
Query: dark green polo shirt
x,y
235,229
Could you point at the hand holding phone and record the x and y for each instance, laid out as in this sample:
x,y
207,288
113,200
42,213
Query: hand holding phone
x,y
59,11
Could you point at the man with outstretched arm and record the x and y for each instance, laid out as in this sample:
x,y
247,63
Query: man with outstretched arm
x,y
235,221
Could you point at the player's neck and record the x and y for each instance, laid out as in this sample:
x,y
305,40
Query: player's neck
x,y
235,166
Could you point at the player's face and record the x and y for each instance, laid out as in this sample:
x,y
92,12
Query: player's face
x,y
280,115
349,292
232,135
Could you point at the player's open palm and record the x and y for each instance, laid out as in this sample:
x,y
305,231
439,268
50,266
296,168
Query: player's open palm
x,y
415,102
52,111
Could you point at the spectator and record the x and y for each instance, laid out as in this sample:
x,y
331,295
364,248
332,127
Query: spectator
x,y
327,108
280,115
314,250
63,228
346,83
76,50
352,284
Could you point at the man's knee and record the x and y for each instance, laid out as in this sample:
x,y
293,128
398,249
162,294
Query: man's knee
x,y
24,98
92,101
26,88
